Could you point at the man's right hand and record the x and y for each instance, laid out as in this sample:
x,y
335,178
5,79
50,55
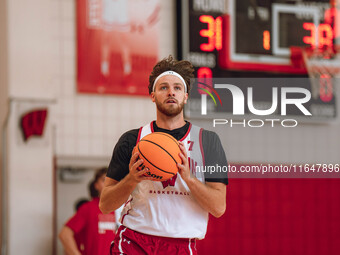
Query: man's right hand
x,y
135,175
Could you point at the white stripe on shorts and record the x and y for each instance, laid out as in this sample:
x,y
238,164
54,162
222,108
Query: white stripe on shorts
x,y
120,241
190,247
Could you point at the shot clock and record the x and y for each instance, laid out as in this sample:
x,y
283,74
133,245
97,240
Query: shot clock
x,y
246,38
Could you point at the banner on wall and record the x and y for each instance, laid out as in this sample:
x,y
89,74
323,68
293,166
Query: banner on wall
x,y
117,45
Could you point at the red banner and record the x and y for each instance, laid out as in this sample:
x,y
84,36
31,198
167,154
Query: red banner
x,y
117,45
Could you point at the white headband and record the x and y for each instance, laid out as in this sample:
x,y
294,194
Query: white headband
x,y
170,73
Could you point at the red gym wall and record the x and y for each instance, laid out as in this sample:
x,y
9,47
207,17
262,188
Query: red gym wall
x,y
277,216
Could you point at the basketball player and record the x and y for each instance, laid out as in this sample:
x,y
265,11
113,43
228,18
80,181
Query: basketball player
x,y
89,231
165,217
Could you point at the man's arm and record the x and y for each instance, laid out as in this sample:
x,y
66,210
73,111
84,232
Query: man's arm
x,y
66,237
211,196
114,193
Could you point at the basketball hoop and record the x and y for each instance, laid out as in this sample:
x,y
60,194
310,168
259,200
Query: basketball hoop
x,y
323,67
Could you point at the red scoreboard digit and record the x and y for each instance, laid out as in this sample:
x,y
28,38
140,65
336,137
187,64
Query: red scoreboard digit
x,y
213,33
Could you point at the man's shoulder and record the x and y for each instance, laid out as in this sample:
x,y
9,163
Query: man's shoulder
x,y
210,138
130,135
209,134
132,132
205,132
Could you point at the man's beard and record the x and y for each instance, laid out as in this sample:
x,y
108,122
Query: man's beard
x,y
169,111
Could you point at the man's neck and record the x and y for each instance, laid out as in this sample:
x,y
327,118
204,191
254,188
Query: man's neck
x,y
170,123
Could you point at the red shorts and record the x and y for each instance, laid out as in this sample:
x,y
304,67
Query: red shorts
x,y
130,242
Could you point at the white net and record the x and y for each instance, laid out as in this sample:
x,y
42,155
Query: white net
x,y
323,66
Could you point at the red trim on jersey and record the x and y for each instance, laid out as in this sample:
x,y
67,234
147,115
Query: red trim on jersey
x,y
125,215
151,126
128,202
127,211
139,133
201,146
187,133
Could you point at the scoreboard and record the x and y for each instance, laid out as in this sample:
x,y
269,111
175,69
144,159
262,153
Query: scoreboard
x,y
255,38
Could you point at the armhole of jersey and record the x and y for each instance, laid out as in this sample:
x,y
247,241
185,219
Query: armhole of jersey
x,y
139,133
186,134
201,145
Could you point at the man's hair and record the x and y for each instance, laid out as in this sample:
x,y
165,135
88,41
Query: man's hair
x,y
182,67
99,173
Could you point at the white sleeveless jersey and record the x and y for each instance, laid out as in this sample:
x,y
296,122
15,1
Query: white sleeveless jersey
x,y
167,208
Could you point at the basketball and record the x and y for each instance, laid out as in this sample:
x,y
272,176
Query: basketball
x,y
159,152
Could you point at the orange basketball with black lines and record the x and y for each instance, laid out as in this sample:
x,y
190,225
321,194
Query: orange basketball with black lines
x,y
159,152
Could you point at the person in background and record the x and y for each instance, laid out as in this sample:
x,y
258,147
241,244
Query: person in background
x,y
79,237
89,226
79,203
